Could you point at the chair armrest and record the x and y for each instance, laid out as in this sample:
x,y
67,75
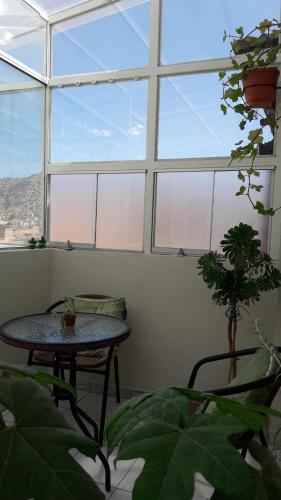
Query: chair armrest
x,y
54,305
218,357
249,386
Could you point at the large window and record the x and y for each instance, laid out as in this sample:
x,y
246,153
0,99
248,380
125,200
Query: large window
x,y
21,156
137,148
134,88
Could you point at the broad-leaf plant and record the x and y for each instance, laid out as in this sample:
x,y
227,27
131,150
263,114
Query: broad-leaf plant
x,y
260,48
238,275
35,459
176,443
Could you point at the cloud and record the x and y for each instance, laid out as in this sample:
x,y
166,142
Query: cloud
x,y
136,130
101,132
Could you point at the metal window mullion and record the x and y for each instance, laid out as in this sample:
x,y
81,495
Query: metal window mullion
x,y
22,67
212,210
96,211
99,77
152,118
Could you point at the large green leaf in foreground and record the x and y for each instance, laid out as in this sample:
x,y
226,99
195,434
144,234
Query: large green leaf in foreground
x,y
176,444
34,458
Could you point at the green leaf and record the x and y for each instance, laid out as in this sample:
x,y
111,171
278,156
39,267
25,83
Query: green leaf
x,y
175,445
268,483
45,379
241,176
222,74
241,191
242,124
240,31
256,136
34,451
224,109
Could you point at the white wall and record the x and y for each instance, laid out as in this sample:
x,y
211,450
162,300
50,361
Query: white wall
x,y
173,322
25,284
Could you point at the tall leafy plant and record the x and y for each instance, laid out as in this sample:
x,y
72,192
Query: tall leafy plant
x,y
239,275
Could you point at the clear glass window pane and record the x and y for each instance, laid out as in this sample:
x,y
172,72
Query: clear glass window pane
x,y
21,157
191,123
229,210
193,30
72,208
183,210
104,122
120,211
23,34
111,37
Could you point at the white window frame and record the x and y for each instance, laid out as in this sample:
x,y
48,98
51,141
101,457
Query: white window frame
x,y
151,164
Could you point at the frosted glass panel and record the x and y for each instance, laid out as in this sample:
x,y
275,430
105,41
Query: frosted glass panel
x,y
191,123
72,208
183,210
112,37
229,210
105,122
23,34
193,29
120,211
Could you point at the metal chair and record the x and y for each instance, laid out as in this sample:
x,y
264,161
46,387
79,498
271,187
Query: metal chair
x,y
241,441
89,364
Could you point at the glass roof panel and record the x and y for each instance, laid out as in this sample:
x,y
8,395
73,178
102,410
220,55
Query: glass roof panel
x,y
23,33
49,7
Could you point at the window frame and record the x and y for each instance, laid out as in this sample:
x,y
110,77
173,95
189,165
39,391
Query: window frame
x,y
151,165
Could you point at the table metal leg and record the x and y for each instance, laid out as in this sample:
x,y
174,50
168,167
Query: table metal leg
x,y
75,410
105,394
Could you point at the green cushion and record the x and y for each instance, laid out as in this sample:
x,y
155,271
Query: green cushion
x,y
261,365
109,307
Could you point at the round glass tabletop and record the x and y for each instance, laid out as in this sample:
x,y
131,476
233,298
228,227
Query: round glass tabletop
x,y
45,332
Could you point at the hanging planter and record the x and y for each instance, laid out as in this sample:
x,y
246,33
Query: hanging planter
x,y
259,87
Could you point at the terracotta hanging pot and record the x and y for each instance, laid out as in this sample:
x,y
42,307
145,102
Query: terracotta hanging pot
x,y
260,87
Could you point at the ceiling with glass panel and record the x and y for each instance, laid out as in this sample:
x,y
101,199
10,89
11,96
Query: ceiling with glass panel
x,y
49,7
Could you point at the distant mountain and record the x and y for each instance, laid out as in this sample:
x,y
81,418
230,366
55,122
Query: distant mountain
x,y
21,200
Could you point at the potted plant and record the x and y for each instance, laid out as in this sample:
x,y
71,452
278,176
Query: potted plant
x,y
239,276
69,316
250,91
32,243
42,242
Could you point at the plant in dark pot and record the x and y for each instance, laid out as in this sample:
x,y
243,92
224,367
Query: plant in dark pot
x,y
239,276
250,92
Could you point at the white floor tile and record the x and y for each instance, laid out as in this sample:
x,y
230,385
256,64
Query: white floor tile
x,y
91,404
80,395
129,480
96,470
121,495
203,489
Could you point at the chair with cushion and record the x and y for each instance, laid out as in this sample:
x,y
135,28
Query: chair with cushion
x,y
257,383
91,361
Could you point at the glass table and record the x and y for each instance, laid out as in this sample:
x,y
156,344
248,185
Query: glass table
x,y
45,332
